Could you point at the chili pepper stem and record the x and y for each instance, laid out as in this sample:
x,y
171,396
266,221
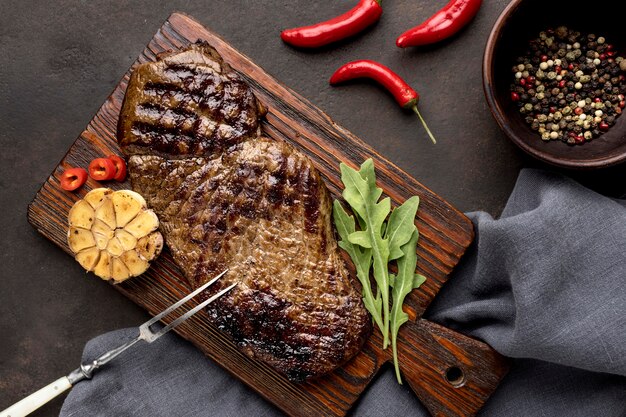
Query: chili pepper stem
x,y
414,108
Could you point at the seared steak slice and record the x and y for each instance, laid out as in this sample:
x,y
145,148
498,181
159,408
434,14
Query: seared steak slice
x,y
259,208
190,103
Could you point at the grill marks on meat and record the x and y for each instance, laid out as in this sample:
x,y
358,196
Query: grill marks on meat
x,y
261,209
190,103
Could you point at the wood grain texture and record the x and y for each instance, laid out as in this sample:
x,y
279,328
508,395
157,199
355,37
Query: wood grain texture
x,y
427,351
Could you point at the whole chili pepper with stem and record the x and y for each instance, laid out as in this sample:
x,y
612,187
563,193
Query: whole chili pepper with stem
x,y
443,24
401,91
364,14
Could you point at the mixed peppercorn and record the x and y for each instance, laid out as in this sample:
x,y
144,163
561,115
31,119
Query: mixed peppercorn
x,y
568,86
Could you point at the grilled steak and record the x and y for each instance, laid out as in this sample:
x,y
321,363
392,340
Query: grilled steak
x,y
228,197
190,103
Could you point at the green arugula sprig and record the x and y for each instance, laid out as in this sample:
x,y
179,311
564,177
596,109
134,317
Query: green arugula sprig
x,y
375,243
403,283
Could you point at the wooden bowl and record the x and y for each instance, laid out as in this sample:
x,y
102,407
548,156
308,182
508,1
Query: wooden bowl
x,y
521,22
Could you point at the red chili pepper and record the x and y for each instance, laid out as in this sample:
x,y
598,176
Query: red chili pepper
x,y
102,169
401,91
443,24
120,167
73,178
364,14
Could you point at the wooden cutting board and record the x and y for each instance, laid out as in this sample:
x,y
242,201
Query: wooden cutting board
x,y
453,375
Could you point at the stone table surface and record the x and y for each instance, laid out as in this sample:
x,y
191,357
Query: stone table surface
x,y
60,60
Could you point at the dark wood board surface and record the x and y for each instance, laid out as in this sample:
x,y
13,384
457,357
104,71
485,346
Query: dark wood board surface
x,y
428,351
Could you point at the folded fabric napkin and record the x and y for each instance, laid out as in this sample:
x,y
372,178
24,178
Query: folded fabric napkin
x,y
544,284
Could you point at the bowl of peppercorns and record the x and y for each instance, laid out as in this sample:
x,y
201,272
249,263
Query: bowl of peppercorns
x,y
554,75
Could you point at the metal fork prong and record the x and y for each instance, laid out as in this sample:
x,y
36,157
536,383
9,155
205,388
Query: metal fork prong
x,y
180,302
190,313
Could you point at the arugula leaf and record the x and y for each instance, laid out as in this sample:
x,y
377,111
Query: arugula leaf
x,y
400,226
405,280
362,259
418,280
367,173
363,198
379,239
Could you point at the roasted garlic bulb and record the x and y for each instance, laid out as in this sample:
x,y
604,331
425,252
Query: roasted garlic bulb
x,y
114,234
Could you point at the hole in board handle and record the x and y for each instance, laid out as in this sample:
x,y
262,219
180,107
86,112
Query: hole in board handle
x,y
455,376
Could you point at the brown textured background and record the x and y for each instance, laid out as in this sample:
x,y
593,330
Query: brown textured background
x,y
59,61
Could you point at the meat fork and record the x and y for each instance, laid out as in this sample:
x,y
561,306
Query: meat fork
x,y
86,371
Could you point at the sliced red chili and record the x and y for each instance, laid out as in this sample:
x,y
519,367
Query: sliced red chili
x,y
364,14
443,24
102,169
406,96
73,178
120,167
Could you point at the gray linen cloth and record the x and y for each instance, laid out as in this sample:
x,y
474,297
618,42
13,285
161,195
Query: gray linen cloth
x,y
545,284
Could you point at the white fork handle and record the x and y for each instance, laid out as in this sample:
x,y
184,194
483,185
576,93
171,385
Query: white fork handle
x,y
37,399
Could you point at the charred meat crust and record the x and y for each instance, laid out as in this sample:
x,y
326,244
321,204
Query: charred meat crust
x,y
249,203
190,103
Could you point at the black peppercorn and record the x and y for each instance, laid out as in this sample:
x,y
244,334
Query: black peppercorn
x,y
569,86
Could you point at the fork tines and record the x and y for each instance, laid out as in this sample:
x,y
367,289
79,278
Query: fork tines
x,y
150,336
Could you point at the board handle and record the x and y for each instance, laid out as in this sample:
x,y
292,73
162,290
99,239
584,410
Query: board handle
x,y
452,374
